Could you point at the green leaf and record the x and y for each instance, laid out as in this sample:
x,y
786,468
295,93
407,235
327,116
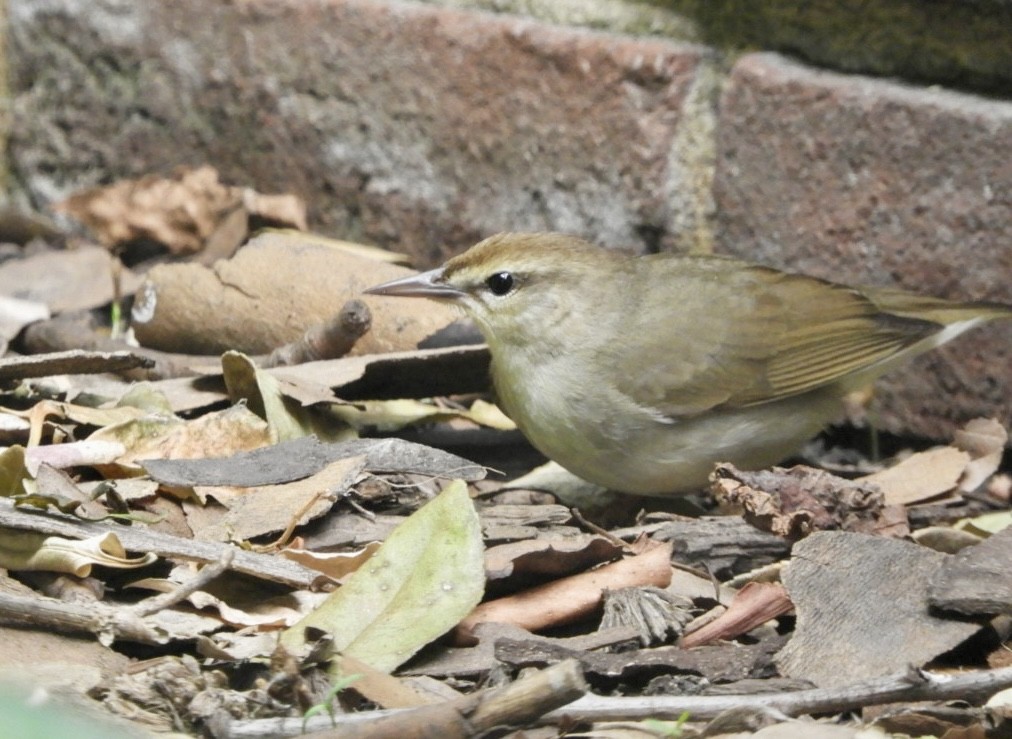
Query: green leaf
x,y
13,472
986,524
285,416
426,577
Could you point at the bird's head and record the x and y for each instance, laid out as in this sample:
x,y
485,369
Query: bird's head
x,y
513,285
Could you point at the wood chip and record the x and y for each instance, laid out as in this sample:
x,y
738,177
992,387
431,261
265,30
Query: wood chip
x,y
977,580
863,610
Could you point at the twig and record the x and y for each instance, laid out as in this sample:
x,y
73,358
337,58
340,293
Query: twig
x,y
140,539
328,340
183,590
915,685
78,331
108,624
595,529
516,704
293,522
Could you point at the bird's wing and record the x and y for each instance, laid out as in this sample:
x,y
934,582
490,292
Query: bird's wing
x,y
790,334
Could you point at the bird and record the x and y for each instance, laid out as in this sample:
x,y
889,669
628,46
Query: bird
x,y
639,373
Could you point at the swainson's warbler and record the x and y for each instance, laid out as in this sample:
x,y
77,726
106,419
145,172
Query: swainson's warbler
x,y
639,373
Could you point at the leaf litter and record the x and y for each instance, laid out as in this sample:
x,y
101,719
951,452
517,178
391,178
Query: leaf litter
x,y
307,539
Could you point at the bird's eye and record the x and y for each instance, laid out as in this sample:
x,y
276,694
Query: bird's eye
x,y
500,283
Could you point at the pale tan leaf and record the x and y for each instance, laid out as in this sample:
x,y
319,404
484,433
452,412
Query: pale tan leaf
x,y
337,565
267,509
920,476
984,439
28,550
571,598
220,434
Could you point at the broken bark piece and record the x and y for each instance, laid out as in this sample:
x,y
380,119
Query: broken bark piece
x,y
977,580
725,545
302,457
794,502
69,363
862,609
477,661
656,614
719,663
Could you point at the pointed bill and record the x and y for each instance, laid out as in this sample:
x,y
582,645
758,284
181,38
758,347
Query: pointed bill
x,y
425,285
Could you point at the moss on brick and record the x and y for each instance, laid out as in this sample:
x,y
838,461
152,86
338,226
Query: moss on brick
x,y
953,42
619,16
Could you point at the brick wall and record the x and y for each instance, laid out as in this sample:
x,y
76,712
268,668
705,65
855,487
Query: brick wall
x,y
424,127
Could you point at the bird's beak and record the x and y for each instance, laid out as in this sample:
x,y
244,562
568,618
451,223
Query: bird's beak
x,y
425,285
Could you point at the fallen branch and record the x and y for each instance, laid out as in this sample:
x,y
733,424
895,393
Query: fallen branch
x,y
107,623
517,704
914,685
184,590
79,331
48,614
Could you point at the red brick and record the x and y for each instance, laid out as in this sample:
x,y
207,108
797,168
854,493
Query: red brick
x,y
875,182
412,126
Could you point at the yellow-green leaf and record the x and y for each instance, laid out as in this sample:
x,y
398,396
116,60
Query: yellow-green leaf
x,y
286,417
986,524
13,471
426,577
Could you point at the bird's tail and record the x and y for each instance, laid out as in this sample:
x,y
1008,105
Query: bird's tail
x,y
938,310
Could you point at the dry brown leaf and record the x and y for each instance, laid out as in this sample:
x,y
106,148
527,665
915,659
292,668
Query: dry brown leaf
x,y
90,452
333,564
286,209
267,613
920,476
571,598
548,557
383,689
67,279
253,512
28,550
179,212
220,434
753,605
182,211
